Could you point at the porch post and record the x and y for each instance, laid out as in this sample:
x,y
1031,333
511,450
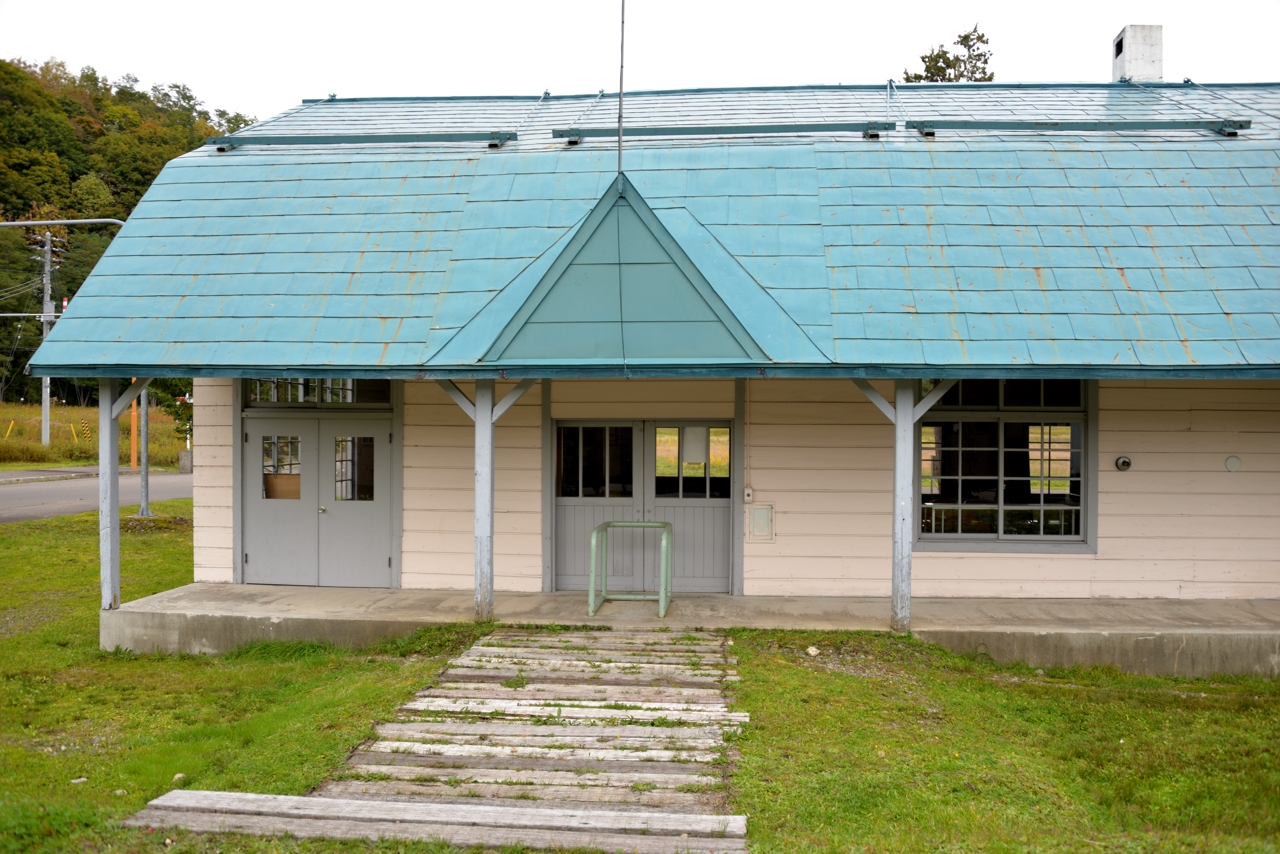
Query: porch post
x,y
903,502
109,493
484,499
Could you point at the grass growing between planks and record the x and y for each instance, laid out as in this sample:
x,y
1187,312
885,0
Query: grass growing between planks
x,y
882,743
270,717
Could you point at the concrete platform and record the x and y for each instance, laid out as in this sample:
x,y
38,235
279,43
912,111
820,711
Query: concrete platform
x,y
1151,636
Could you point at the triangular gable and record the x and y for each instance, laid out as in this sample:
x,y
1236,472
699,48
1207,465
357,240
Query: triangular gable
x,y
623,292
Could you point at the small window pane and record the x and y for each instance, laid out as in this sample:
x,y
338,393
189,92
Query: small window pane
x,y
980,463
978,521
980,392
353,468
1062,393
593,462
978,491
336,391
1022,522
567,446
666,473
621,472
1022,392
281,467
373,391
980,434
720,474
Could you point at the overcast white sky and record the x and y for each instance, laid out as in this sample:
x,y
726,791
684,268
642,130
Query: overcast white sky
x,y
263,57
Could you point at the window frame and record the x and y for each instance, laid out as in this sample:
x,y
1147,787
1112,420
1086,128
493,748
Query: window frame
x,y
312,405
1085,543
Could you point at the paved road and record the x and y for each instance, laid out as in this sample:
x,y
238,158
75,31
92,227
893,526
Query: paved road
x,y
22,501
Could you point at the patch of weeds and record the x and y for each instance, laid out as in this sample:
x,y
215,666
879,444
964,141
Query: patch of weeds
x,y
434,640
640,786
517,681
267,651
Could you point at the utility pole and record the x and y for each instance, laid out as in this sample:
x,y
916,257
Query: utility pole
x,y
46,321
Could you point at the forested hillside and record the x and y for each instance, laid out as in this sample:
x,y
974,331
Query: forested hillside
x,y
74,146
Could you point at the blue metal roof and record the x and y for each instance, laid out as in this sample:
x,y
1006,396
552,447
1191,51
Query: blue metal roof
x,y
975,252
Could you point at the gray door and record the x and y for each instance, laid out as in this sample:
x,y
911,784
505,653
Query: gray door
x,y
281,531
317,508
355,503
644,470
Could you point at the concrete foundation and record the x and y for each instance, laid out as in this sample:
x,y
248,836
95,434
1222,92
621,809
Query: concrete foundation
x,y
1148,636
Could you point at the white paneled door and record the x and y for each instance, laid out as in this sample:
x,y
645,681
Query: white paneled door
x,y
677,472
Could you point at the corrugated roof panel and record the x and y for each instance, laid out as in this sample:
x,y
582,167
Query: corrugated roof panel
x,y
978,248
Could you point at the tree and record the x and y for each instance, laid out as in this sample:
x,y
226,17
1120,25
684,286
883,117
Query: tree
x,y
80,146
941,66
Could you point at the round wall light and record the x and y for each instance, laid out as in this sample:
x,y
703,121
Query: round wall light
x,y
1233,463
1124,463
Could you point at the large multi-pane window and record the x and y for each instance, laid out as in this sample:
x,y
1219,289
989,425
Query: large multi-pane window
x,y
1004,459
284,391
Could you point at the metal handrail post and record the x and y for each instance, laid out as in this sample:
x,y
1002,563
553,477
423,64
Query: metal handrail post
x,y
600,558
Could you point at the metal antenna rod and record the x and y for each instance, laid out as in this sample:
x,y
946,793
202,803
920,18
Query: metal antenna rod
x,y
621,65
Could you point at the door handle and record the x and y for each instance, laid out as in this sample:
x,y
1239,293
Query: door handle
x,y
321,509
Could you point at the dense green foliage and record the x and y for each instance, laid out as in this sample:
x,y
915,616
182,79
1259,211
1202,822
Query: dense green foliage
x,y
77,146
942,66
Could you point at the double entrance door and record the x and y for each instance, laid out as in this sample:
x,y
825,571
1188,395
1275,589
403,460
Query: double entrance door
x,y
677,472
317,501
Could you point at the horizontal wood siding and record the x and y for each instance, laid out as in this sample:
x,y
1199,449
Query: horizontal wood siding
x,y
1178,524
439,491
822,455
641,399
212,480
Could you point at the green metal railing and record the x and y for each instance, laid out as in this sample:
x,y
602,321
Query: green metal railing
x,y
600,557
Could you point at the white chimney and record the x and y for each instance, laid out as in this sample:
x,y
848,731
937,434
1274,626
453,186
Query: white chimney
x,y
1138,54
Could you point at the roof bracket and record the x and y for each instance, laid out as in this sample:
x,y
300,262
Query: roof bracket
x,y
926,129
873,129
498,137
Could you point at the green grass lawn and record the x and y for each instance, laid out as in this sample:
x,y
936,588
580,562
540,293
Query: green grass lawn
x,y
270,718
882,743
879,743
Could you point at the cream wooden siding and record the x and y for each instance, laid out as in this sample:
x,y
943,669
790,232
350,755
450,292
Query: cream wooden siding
x,y
822,455
641,399
213,480
439,491
1178,524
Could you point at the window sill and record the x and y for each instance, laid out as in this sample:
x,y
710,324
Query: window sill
x,y
1074,547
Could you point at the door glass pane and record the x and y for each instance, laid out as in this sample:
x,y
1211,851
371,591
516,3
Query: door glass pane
x,y
694,454
281,467
593,462
620,469
666,471
353,468
567,447
719,462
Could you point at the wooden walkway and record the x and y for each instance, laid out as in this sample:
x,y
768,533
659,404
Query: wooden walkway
x,y
606,740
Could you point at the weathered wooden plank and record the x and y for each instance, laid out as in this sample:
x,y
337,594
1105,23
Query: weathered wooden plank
x,y
690,660
629,646
543,691
586,666
566,754
517,792
459,673
465,836
394,732
516,763
464,727
195,800
607,778
609,649
433,704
